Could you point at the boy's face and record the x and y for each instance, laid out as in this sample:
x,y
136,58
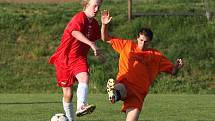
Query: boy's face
x,y
143,41
92,7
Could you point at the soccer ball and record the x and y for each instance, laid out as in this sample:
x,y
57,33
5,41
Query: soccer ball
x,y
59,117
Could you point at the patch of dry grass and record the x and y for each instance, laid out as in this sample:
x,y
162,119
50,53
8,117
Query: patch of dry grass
x,y
37,1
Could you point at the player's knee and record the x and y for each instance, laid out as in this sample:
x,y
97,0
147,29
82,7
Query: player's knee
x,y
83,77
132,114
67,94
68,97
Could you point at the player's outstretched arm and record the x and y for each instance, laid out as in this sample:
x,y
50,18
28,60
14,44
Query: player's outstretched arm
x,y
179,64
97,51
105,19
81,37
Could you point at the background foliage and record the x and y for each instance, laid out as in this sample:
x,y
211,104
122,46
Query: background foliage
x,y
30,33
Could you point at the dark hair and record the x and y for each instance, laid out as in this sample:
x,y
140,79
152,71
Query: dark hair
x,y
147,32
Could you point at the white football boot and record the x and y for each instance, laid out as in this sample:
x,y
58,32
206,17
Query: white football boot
x,y
110,90
85,109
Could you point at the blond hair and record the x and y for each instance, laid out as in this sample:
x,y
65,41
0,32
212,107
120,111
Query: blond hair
x,y
85,2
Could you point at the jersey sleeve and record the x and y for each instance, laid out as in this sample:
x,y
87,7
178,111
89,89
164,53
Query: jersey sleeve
x,y
118,44
165,65
76,23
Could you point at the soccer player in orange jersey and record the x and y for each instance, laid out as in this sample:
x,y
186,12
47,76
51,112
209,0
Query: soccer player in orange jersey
x,y
138,67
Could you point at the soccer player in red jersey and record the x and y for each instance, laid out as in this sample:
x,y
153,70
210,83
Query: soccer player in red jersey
x,y
70,58
138,67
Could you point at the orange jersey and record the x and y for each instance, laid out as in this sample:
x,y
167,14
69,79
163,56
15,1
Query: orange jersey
x,y
138,68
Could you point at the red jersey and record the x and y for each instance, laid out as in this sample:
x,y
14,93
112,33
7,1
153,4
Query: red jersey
x,y
138,68
72,51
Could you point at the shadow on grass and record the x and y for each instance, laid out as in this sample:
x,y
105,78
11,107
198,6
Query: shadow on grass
x,y
27,103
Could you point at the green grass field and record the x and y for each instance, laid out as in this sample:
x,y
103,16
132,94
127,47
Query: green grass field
x,y
158,107
30,33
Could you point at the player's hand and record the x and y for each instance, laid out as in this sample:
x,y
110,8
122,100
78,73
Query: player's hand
x,y
179,63
98,53
105,17
100,56
96,50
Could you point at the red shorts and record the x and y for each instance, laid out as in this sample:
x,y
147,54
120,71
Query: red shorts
x,y
134,98
66,75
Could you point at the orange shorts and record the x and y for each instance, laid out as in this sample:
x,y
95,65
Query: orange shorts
x,y
66,76
134,98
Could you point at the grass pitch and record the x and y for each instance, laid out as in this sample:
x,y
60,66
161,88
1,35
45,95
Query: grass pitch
x,y
157,107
